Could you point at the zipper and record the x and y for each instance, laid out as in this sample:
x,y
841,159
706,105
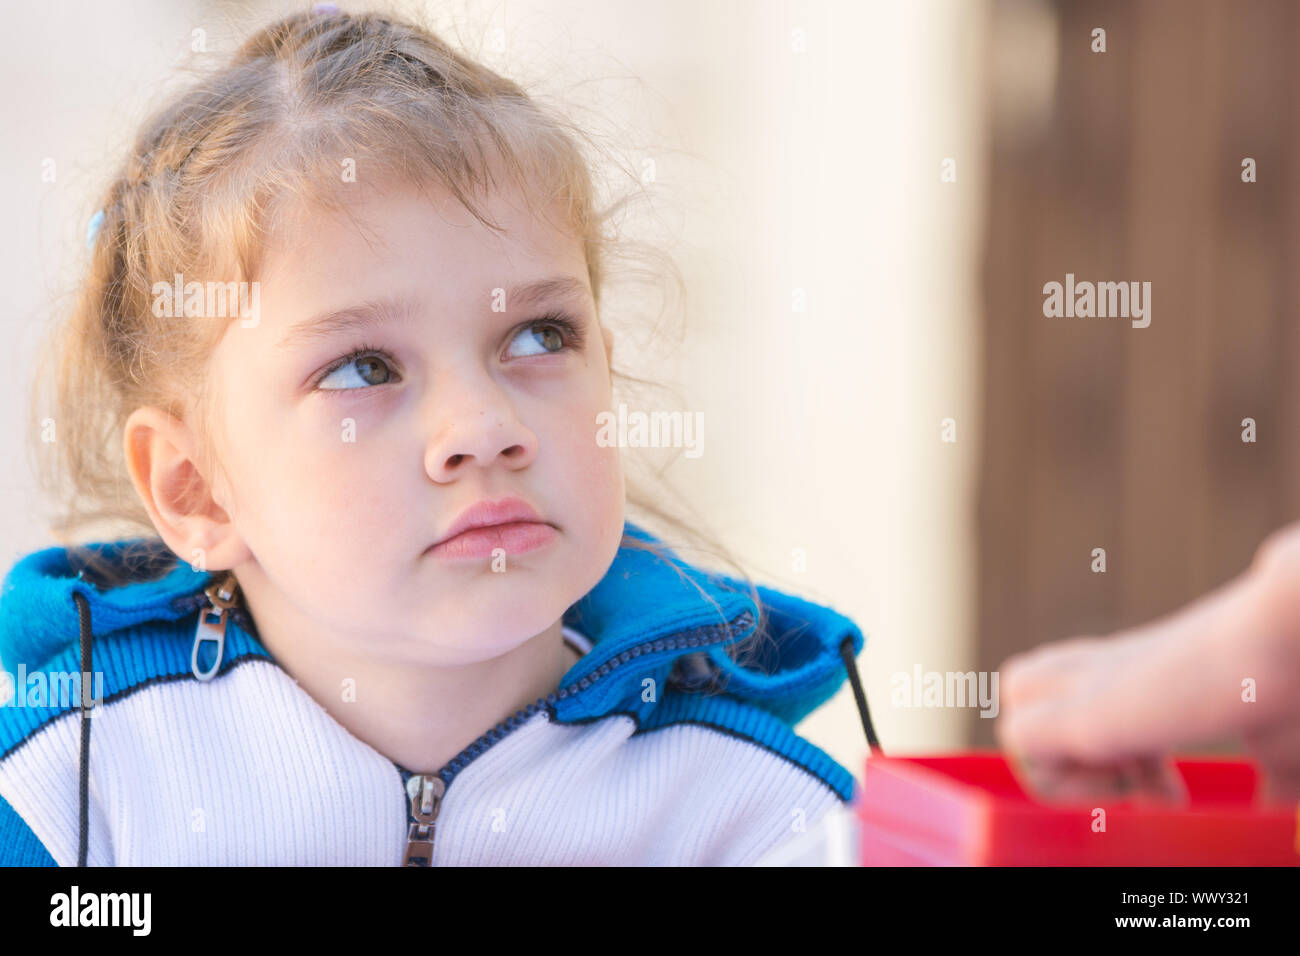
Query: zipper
x,y
220,599
426,791
187,604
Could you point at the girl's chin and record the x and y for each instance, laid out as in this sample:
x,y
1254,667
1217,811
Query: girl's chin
x,y
493,620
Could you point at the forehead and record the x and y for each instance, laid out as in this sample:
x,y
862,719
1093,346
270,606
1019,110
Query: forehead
x,y
391,233
386,219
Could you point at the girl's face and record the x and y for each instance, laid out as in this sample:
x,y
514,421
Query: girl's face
x,y
340,470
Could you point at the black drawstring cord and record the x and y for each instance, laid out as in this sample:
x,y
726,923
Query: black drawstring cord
x,y
83,610
846,651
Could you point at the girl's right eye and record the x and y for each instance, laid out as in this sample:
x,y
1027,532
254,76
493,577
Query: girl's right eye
x,y
363,368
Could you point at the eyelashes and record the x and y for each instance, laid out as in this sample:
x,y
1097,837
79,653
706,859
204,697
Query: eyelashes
x,y
364,351
575,337
572,334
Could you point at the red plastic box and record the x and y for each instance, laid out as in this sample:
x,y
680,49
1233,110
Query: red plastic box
x,y
970,810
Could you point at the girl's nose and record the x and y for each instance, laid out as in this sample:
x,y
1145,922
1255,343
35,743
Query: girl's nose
x,y
483,431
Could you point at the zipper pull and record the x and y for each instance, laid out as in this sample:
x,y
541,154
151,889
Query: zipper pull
x,y
425,791
221,597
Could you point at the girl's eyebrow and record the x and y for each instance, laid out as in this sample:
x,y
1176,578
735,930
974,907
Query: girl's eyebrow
x,y
405,308
528,294
354,317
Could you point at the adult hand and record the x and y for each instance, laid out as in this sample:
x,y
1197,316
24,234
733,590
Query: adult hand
x,y
1227,665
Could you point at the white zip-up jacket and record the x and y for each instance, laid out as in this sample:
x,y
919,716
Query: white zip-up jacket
x,y
657,748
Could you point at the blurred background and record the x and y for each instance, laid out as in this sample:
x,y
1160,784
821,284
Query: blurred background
x,y
865,200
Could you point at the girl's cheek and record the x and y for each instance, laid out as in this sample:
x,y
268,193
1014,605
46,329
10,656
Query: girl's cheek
x,y
586,431
590,465
602,468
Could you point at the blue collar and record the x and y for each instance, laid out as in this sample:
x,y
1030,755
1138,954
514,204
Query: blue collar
x,y
655,609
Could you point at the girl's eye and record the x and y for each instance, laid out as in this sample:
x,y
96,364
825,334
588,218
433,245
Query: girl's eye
x,y
548,335
369,366
360,369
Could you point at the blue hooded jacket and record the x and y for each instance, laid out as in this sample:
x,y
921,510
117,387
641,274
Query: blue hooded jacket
x,y
185,770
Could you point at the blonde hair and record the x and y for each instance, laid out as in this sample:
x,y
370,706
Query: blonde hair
x,y
202,183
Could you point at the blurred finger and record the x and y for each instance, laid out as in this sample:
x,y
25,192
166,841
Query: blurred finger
x,y
1145,779
1150,689
1282,786
1277,749
1043,671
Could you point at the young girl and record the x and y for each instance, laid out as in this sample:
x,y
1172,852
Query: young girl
x,y
340,348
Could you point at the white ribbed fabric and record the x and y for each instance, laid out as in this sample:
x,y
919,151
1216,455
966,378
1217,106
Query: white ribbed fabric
x,y
249,770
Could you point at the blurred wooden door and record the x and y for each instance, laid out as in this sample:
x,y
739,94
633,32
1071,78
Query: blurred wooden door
x,y
1099,435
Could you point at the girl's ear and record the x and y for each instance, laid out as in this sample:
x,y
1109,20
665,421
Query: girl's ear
x,y
162,459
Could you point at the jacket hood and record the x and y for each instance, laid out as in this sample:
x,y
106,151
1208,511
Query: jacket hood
x,y
677,618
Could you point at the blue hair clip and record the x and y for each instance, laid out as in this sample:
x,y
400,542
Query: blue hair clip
x,y
92,228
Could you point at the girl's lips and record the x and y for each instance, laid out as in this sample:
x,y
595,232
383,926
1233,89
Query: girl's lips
x,y
514,537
